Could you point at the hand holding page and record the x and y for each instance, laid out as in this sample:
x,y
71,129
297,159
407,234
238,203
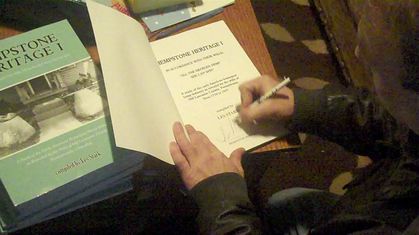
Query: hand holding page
x,y
195,74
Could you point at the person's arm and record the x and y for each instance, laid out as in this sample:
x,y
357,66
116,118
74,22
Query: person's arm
x,y
224,206
215,182
349,117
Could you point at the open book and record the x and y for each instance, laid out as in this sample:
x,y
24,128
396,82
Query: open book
x,y
192,77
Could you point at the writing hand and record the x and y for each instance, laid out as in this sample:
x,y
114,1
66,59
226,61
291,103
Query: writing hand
x,y
280,107
197,158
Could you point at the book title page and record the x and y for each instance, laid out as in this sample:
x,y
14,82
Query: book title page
x,y
203,68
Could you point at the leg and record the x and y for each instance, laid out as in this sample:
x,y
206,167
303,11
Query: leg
x,y
296,210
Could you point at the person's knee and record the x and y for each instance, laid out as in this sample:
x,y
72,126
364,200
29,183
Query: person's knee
x,y
302,203
302,207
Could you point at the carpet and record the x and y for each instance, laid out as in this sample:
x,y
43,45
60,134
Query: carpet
x,y
299,49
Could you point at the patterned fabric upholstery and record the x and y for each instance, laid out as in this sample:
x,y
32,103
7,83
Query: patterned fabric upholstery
x,y
340,19
300,49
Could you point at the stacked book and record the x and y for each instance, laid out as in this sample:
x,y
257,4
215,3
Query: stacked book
x,y
57,151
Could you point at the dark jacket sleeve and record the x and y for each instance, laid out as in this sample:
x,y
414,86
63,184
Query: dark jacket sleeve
x,y
347,116
224,206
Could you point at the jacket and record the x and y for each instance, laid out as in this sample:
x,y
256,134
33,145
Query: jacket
x,y
383,198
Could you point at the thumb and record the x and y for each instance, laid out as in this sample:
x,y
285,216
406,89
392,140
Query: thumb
x,y
236,158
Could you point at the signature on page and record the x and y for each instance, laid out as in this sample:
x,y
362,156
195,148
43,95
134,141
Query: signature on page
x,y
230,131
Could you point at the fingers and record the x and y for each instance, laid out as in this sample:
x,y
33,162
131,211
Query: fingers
x,y
246,93
182,140
190,130
258,113
190,147
197,138
198,159
178,158
280,106
251,90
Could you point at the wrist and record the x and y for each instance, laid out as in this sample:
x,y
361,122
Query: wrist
x,y
285,105
218,188
308,109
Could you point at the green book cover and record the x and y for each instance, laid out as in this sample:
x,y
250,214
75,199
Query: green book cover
x,y
52,112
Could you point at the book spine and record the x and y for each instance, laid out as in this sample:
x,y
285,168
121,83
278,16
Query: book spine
x,y
8,212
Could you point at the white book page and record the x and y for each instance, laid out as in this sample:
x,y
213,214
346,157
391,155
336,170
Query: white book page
x,y
142,109
203,68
